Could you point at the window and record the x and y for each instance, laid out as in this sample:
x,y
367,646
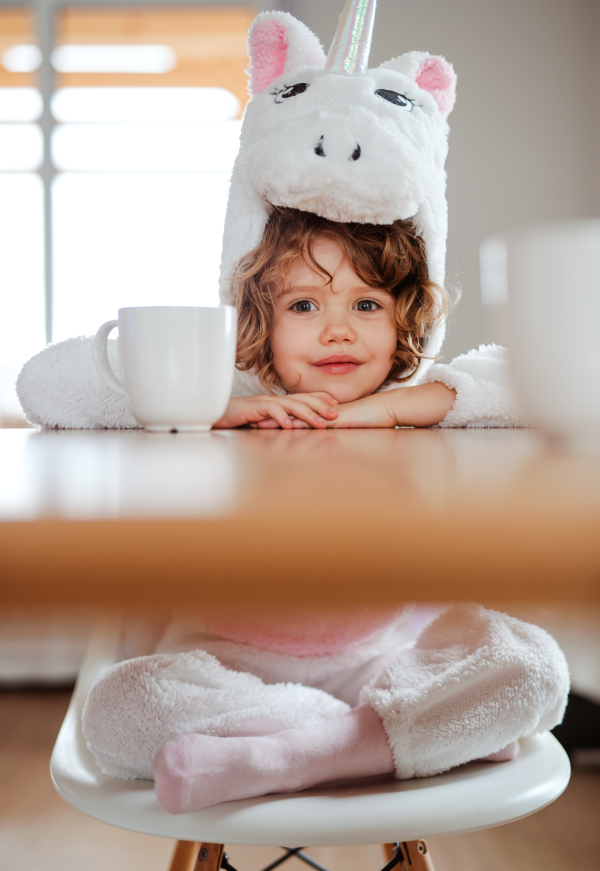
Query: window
x,y
143,160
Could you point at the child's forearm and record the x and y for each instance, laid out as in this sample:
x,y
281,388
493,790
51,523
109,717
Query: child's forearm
x,y
422,405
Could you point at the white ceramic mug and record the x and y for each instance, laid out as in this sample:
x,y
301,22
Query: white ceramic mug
x,y
541,286
176,364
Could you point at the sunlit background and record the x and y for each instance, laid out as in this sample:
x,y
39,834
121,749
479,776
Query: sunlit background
x,y
147,111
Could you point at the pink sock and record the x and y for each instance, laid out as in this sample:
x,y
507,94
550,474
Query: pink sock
x,y
197,771
505,755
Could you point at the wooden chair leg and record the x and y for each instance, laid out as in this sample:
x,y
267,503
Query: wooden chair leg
x,y
209,857
194,856
184,856
388,851
417,855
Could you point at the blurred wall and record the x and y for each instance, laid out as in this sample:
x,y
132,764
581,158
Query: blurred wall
x,y
525,133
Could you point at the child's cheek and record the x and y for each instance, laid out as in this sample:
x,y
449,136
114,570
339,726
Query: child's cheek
x,y
383,340
285,341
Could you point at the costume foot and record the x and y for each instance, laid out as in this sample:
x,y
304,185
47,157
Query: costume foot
x,y
511,751
173,774
197,771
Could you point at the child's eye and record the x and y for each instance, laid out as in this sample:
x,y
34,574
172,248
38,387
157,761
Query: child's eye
x,y
304,305
366,305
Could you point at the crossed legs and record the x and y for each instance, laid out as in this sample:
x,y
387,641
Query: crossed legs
x,y
471,686
197,771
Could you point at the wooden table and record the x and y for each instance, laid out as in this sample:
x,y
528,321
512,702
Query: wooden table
x,y
244,518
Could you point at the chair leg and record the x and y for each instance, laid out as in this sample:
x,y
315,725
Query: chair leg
x,y
184,856
416,853
194,856
388,851
209,857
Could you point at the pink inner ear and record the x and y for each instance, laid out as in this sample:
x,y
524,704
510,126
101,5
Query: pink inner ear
x,y
437,76
267,46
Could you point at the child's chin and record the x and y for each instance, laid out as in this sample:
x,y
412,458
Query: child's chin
x,y
338,386
345,393
348,395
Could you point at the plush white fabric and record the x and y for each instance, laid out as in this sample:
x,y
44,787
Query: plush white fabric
x,y
141,704
484,394
474,681
60,387
343,674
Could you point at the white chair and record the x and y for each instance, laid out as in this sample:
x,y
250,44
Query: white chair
x,y
396,814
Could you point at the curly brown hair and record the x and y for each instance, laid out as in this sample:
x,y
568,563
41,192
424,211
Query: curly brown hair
x,y
387,256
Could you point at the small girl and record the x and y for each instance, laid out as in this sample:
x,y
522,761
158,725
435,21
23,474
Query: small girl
x,y
340,319
330,316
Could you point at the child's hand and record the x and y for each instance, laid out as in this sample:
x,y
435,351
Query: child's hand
x,y
422,405
310,409
371,411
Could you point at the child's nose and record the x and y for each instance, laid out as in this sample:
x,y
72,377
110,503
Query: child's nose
x,y
338,329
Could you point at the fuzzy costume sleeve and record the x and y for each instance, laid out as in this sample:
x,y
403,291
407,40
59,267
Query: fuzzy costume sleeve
x,y
484,394
61,388
475,681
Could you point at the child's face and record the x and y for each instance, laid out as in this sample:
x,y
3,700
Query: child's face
x,y
337,337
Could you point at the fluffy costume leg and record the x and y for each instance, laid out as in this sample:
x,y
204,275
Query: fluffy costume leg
x,y
142,704
474,683
196,771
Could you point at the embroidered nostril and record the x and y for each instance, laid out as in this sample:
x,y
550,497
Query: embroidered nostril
x,y
319,148
356,153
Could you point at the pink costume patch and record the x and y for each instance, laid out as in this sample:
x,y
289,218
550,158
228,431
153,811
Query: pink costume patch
x,y
267,46
437,76
319,633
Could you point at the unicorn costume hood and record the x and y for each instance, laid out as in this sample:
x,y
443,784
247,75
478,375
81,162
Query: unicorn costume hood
x,y
329,135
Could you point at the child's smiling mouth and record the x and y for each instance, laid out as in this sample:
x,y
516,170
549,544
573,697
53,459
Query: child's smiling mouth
x,y
338,364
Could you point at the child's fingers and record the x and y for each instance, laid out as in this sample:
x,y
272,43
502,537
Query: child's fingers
x,y
269,423
274,410
311,409
314,402
326,396
303,411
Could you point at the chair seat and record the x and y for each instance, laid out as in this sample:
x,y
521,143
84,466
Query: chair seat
x,y
474,796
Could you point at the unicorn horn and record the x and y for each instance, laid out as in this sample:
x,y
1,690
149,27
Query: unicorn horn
x,y
349,52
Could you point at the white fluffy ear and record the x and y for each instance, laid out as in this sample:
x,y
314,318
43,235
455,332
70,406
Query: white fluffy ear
x,y
278,43
432,73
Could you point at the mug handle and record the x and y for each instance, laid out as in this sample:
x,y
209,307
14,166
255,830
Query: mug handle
x,y
101,357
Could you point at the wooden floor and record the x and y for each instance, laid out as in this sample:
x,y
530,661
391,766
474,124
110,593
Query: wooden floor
x,y
39,831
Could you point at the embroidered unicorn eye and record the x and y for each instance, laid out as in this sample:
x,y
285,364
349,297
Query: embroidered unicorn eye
x,y
396,98
290,91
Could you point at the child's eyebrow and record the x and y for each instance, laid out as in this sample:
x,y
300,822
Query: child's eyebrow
x,y
313,288
299,287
